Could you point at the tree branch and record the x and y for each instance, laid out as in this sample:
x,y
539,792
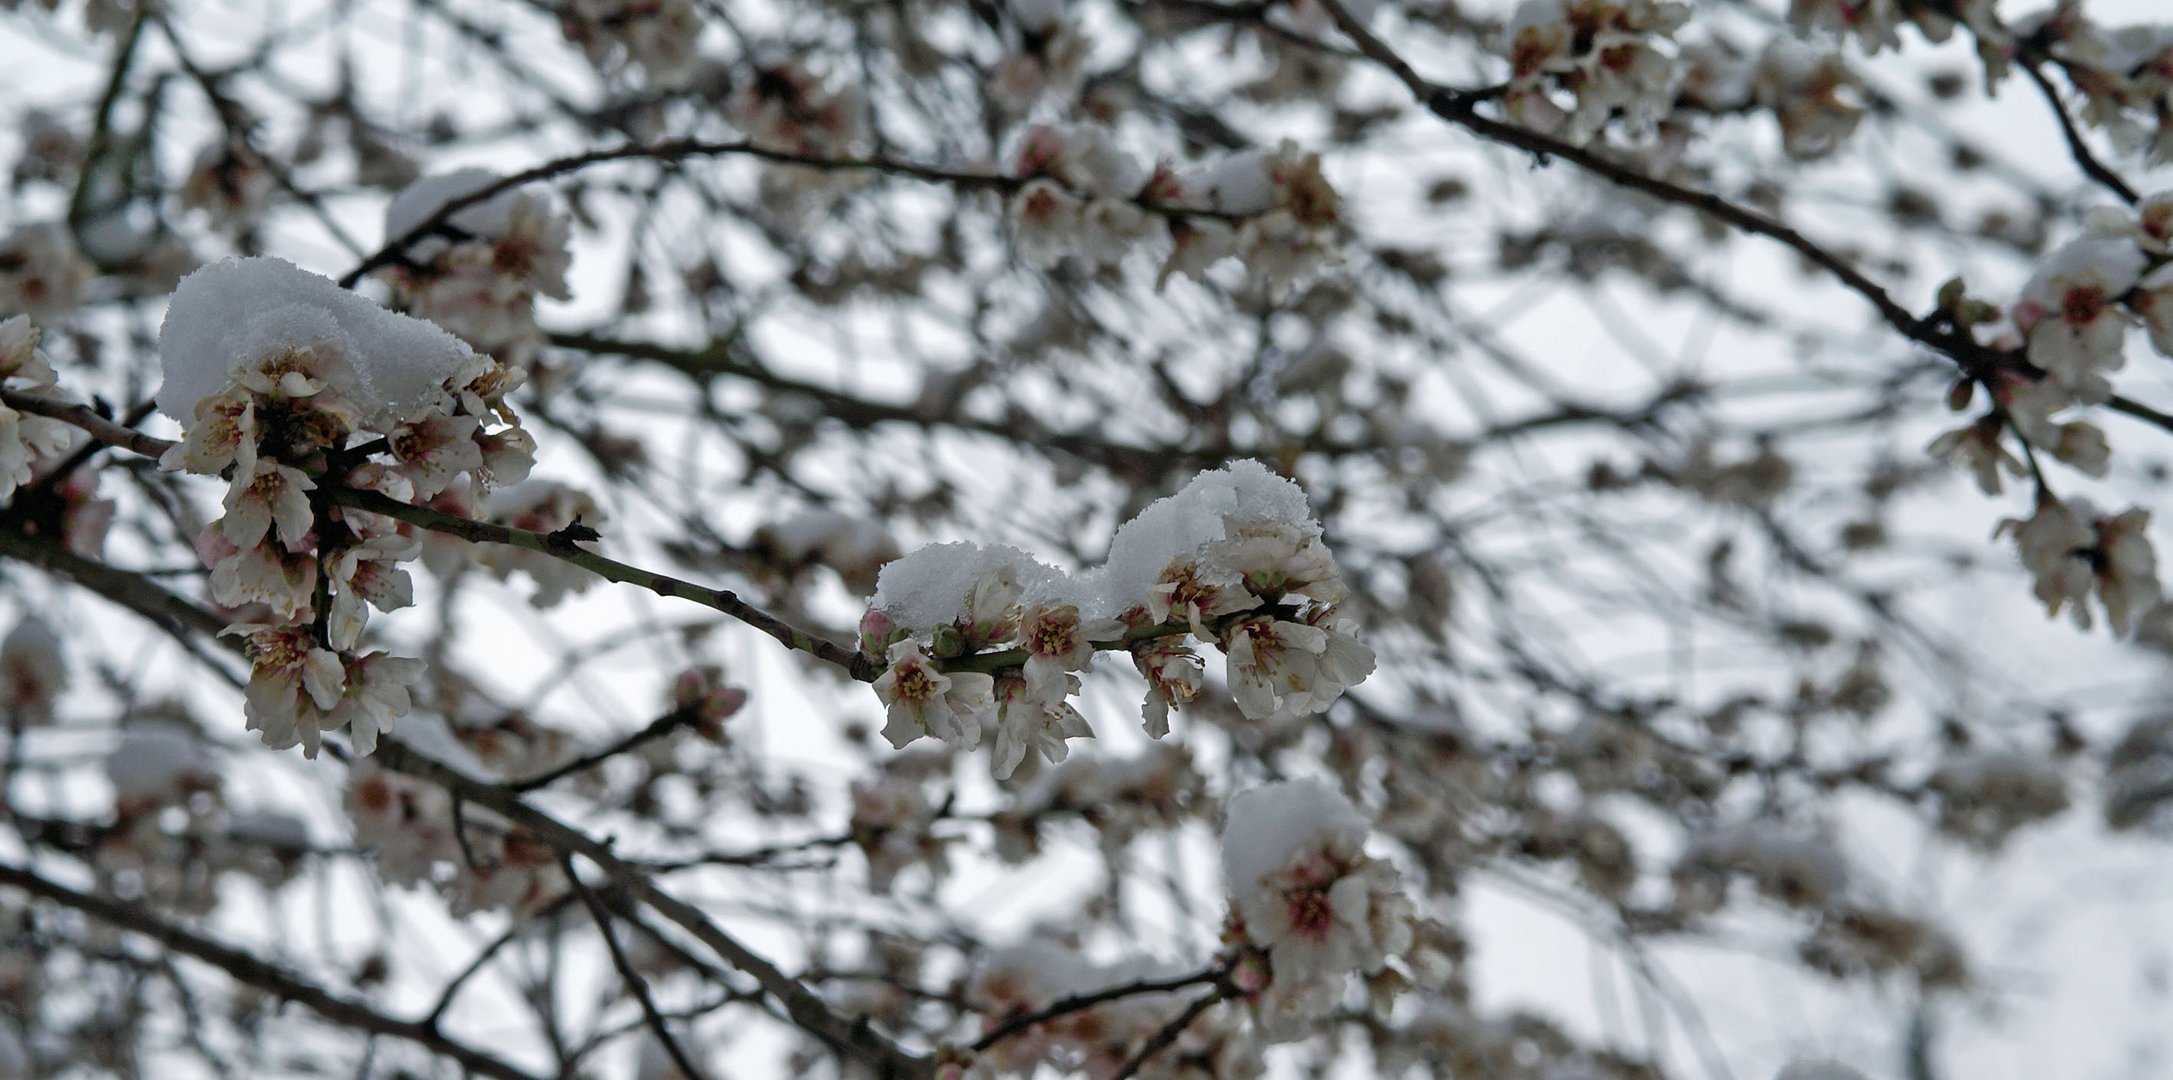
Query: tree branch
x,y
562,547
261,974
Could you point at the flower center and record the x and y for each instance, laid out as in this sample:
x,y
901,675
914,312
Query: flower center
x,y
1310,913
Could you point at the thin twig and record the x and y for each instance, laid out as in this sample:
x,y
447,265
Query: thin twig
x,y
1170,1032
635,984
2078,149
1077,1002
684,716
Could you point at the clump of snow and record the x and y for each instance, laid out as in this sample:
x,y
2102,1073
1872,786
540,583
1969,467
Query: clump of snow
x,y
931,587
232,314
1263,826
934,585
156,761
420,201
1238,184
1183,523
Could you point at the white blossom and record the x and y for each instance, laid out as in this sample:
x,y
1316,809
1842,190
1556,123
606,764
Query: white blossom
x,y
2071,313
922,700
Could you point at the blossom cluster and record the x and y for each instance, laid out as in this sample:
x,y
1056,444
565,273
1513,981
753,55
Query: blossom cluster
x,y
976,635
1307,899
1083,195
1606,55
1876,24
1789,866
536,505
174,835
2124,74
1812,93
657,36
482,285
475,858
286,384
2071,323
1044,58
789,107
1985,795
2074,553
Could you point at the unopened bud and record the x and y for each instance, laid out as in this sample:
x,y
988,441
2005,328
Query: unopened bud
x,y
1961,394
947,642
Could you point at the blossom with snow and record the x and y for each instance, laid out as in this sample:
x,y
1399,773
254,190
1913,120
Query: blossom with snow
x,y
277,376
1044,58
1303,891
544,506
1602,53
1018,979
482,278
159,762
417,837
890,825
1788,865
1814,95
1081,197
792,108
230,183
2071,316
1234,559
1985,795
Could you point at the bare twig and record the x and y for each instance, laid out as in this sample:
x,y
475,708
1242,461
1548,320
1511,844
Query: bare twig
x,y
1077,1002
1161,1040
2078,149
683,716
635,984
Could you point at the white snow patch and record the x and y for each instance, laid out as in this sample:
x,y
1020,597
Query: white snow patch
x,y
153,759
932,586
420,201
231,314
1262,827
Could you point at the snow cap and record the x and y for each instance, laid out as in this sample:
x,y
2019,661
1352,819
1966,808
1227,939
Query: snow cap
x,y
1264,826
232,313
